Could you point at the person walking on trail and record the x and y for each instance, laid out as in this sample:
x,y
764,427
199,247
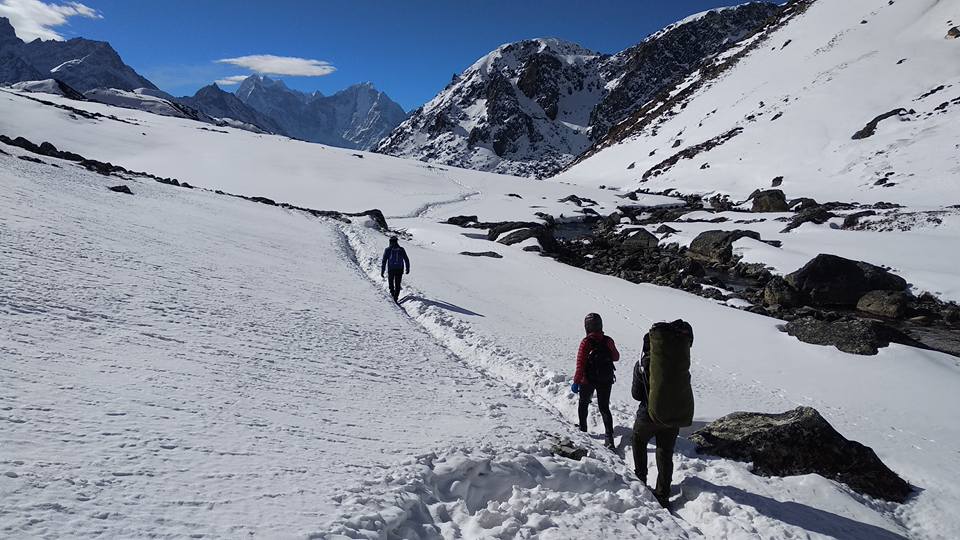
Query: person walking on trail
x,y
394,261
595,373
661,383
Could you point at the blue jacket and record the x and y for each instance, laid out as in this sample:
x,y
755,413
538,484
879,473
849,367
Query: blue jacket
x,y
394,258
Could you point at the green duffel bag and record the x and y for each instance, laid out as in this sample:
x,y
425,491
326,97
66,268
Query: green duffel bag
x,y
670,393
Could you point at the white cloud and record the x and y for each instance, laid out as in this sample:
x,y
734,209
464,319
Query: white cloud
x,y
36,19
231,80
269,64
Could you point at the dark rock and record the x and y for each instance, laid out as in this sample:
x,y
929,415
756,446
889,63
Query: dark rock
x,y
264,200
32,159
871,127
829,280
491,254
514,195
771,200
121,189
461,221
891,304
854,218
535,249
777,182
800,442
546,239
717,246
579,201
803,203
855,336
499,228
818,215
376,215
780,293
567,449
640,240
666,229
953,33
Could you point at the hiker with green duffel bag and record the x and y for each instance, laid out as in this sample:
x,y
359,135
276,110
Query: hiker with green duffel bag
x,y
661,383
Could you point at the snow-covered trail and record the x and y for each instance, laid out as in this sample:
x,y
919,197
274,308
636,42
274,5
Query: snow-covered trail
x,y
178,363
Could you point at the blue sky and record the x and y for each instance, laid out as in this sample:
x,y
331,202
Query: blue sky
x,y
409,49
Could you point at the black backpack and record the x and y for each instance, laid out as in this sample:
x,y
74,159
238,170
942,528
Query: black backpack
x,y
599,368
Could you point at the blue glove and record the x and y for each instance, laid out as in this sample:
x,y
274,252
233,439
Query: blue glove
x,y
575,388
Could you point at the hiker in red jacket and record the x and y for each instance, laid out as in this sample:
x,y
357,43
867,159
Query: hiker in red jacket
x,y
595,371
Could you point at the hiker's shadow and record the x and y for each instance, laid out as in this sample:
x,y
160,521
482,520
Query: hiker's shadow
x,y
440,304
792,513
683,445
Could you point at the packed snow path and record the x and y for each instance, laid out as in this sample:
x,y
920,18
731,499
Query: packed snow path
x,y
178,363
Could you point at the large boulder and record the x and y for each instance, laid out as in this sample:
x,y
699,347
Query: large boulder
x,y
778,292
717,246
640,240
498,229
543,235
770,200
800,442
853,335
829,280
891,304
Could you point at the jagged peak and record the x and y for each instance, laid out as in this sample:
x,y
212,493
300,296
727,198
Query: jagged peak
x,y
699,16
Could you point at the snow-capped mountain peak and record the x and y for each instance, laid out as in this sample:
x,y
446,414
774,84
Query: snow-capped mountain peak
x,y
532,106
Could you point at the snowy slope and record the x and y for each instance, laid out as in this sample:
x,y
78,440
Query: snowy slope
x,y
793,103
276,323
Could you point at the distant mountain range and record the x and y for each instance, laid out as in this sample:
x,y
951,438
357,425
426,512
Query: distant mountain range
x,y
531,107
356,117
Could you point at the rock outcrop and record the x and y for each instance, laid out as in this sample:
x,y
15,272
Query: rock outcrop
x,y
799,442
830,280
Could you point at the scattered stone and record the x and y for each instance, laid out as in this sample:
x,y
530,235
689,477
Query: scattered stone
x,y
803,203
852,219
263,200
666,229
871,127
777,182
358,155
800,442
852,335
567,449
579,201
532,249
491,254
461,221
771,200
829,280
780,293
892,304
717,246
953,33
514,195
121,189
500,228
640,240
818,215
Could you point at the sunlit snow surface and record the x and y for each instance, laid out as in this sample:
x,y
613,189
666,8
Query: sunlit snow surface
x,y
180,363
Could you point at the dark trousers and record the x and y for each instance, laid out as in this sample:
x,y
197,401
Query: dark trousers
x,y
645,429
603,401
394,276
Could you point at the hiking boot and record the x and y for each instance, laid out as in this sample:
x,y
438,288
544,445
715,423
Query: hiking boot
x,y
609,443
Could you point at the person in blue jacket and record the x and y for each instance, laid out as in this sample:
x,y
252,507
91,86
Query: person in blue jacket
x,y
394,261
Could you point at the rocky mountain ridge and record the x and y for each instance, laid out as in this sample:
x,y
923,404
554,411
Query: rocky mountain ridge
x,y
531,107
81,63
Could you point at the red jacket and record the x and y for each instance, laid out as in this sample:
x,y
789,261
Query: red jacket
x,y
579,376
